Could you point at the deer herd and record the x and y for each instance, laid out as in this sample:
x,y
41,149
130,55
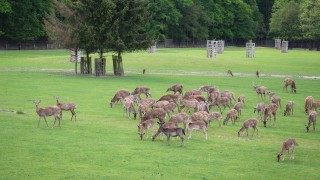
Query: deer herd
x,y
189,111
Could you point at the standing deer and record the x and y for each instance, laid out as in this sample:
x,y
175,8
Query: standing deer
x,y
47,111
241,98
198,126
220,101
260,90
176,88
238,107
145,126
315,105
174,132
192,103
179,118
229,72
67,107
155,113
142,90
287,145
308,103
268,111
289,108
257,74
249,123
120,95
164,125
259,108
290,82
277,101
128,107
231,114
312,118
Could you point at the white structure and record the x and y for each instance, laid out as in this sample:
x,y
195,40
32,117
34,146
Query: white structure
x,y
212,48
152,49
220,48
277,43
250,50
75,57
284,46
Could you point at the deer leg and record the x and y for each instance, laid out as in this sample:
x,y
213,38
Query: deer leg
x,y
39,121
190,135
247,131
314,126
205,133
61,113
168,140
59,121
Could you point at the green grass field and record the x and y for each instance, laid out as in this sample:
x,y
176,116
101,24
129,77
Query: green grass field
x,y
104,144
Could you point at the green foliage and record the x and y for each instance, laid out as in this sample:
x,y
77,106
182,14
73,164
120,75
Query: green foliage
x,y
310,19
25,20
104,144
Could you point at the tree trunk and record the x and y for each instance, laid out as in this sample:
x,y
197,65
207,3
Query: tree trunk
x,y
117,65
76,63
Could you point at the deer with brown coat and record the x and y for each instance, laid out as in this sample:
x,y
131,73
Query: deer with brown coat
x,y
277,101
287,145
176,88
259,109
231,114
289,108
180,118
271,109
120,95
260,90
315,105
229,72
67,107
47,111
238,107
155,113
172,132
252,122
164,125
308,103
128,108
220,101
142,90
145,126
170,98
241,98
290,82
312,118
198,126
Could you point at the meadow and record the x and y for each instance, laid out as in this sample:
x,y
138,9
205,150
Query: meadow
x,y
104,144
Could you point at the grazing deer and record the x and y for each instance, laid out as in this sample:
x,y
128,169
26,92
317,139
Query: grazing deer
x,y
198,126
192,103
271,94
164,125
67,107
249,123
199,98
229,95
128,107
170,108
143,108
289,108
159,104
257,74
238,107
47,111
155,113
229,72
308,103
170,98
174,132
241,98
277,101
191,92
142,90
148,101
204,88
271,109
315,105
260,90
179,118
120,95
287,146
290,82
145,126
259,108
176,88
220,101
312,118
231,114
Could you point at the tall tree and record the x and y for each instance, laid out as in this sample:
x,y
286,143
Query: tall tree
x,y
265,7
285,22
25,22
5,9
129,29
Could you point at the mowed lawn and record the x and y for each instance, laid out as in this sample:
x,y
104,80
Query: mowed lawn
x,y
104,144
